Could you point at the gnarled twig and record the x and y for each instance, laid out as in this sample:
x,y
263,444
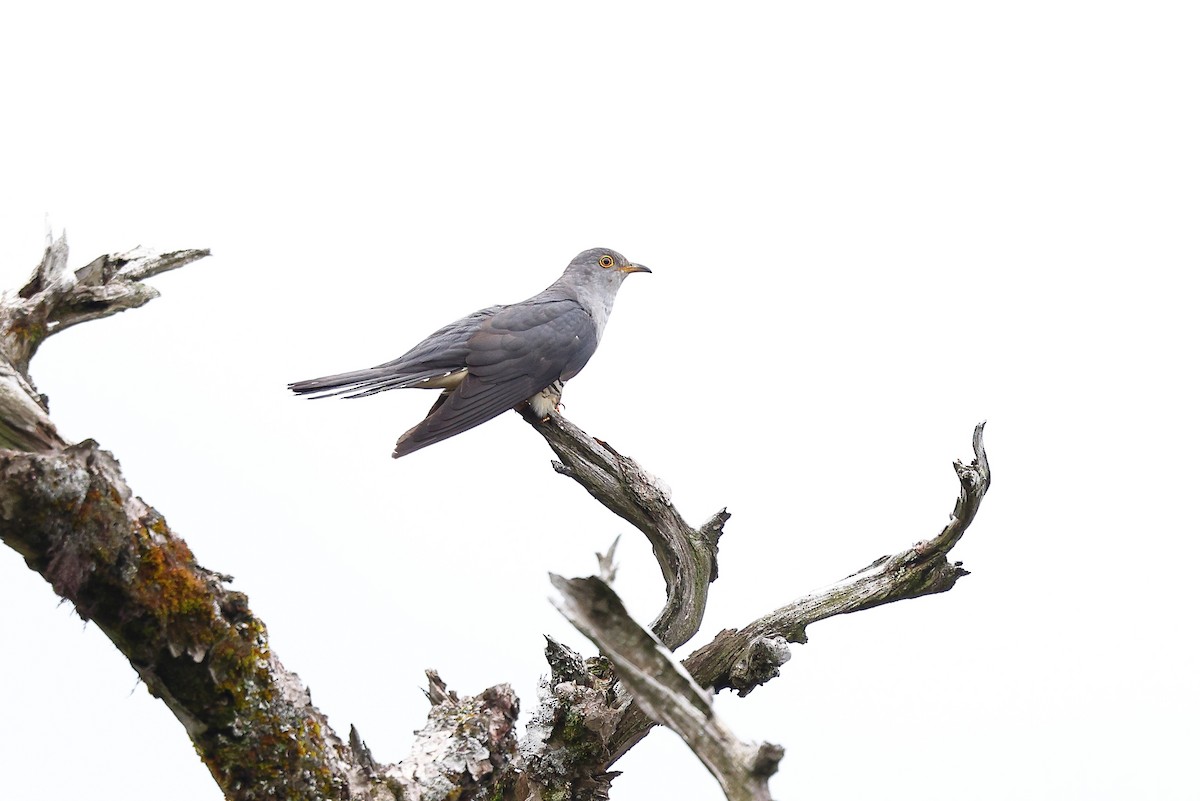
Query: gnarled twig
x,y
744,658
55,299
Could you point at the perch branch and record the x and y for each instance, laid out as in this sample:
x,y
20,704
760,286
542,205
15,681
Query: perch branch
x,y
687,556
664,691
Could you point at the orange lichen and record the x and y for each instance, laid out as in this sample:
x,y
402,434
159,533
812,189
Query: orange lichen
x,y
167,586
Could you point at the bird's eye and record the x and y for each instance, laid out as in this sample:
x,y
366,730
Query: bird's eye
x,y
606,261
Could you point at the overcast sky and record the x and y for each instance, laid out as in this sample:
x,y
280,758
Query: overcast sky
x,y
871,225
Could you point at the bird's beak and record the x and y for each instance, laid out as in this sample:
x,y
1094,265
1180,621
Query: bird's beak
x,y
634,268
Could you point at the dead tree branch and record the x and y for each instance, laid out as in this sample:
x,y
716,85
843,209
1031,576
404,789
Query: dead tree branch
x,y
742,659
687,556
55,299
920,570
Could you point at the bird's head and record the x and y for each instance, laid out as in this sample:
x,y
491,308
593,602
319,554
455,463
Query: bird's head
x,y
600,269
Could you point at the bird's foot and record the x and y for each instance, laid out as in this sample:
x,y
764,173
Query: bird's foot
x,y
547,401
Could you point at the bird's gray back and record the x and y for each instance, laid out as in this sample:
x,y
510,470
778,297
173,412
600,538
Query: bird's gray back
x,y
445,348
547,338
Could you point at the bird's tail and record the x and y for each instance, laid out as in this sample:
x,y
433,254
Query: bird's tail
x,y
360,383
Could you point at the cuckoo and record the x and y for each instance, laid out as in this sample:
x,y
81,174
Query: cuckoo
x,y
500,356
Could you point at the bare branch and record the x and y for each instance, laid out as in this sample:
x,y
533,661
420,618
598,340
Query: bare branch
x,y
664,690
743,659
686,556
55,299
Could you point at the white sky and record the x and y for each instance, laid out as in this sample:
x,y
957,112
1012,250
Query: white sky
x,y
871,225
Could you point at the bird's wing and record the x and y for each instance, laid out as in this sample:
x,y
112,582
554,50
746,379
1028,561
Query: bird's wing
x,y
517,353
442,352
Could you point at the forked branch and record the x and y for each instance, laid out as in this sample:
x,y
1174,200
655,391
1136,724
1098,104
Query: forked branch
x,y
55,298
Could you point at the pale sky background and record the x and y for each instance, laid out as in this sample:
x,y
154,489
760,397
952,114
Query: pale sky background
x,y
871,226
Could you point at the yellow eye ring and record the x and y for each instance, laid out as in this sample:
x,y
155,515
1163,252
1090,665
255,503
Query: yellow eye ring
x,y
606,261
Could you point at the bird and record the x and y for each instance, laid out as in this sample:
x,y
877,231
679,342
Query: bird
x,y
499,357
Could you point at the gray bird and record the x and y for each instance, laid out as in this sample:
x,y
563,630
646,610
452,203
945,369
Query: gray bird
x,y
496,358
